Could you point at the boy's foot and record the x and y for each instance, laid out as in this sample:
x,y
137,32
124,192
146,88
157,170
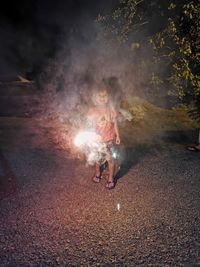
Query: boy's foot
x,y
110,185
96,179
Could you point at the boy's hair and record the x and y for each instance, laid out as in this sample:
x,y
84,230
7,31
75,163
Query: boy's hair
x,y
100,90
102,86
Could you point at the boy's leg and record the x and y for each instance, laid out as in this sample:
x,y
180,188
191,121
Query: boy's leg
x,y
110,184
111,168
97,169
97,177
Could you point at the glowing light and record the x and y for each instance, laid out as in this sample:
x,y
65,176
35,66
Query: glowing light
x,y
86,137
118,206
114,155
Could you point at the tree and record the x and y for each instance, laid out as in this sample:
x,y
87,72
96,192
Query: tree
x,y
179,42
172,29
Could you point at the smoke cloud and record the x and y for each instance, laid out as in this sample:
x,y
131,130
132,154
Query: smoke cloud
x,y
87,61
70,55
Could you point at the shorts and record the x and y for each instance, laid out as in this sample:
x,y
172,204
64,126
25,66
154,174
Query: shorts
x,y
105,151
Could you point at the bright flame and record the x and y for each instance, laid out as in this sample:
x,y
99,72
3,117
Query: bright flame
x,y
86,137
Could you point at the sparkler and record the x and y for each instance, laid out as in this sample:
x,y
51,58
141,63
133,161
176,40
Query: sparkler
x,y
92,145
86,138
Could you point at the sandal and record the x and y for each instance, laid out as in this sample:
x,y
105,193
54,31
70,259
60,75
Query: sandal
x,y
96,179
193,149
110,185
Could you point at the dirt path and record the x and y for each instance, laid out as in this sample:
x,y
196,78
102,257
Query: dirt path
x,y
58,217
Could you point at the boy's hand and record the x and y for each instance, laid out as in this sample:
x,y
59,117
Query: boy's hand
x,y
117,141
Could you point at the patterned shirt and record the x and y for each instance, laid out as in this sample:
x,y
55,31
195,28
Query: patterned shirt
x,y
102,119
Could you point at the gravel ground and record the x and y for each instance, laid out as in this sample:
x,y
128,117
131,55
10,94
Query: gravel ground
x,y
58,217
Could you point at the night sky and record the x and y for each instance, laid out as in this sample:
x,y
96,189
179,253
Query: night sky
x,y
33,30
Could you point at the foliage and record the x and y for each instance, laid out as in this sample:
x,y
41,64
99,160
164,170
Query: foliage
x,y
122,19
179,41
173,33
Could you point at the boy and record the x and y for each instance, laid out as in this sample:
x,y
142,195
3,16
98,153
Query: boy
x,y
103,118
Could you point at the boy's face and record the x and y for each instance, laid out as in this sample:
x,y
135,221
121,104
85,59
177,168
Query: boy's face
x,y
102,98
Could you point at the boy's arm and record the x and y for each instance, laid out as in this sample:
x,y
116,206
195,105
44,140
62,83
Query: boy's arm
x,y
117,132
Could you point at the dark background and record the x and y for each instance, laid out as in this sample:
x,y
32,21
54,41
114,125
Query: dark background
x,y
32,31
